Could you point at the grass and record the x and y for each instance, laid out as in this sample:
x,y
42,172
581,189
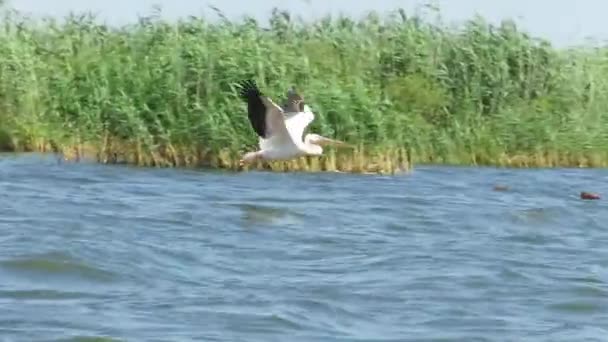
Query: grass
x,y
402,88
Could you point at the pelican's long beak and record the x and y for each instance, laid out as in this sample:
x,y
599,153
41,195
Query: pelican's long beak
x,y
328,141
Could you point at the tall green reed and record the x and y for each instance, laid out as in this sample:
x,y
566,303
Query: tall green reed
x,y
480,93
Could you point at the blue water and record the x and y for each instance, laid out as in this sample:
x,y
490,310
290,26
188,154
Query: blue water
x,y
134,254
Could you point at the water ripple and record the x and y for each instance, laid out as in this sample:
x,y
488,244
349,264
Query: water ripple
x,y
54,265
127,253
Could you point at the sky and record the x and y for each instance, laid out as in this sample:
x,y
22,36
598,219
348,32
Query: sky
x,y
564,22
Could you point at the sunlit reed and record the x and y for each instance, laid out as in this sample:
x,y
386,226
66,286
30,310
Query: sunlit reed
x,y
402,88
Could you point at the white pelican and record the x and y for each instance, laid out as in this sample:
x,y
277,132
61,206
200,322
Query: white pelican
x,y
280,130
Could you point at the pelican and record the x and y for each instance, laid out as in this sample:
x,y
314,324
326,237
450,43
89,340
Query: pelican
x,y
280,129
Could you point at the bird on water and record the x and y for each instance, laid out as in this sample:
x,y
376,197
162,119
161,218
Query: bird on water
x,y
280,129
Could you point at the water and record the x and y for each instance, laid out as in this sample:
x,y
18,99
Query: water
x,y
137,254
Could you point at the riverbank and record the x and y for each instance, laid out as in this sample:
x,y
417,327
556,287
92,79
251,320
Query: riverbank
x,y
383,161
355,160
403,89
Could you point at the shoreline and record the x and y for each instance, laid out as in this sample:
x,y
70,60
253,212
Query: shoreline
x,y
357,161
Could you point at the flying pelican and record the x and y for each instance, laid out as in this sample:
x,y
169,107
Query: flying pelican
x,y
280,130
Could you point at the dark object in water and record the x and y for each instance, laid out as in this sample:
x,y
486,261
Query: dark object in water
x,y
589,196
501,188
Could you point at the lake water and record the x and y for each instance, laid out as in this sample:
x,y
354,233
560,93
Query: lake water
x,y
134,254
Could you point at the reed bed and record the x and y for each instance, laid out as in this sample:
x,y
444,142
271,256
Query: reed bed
x,y
402,88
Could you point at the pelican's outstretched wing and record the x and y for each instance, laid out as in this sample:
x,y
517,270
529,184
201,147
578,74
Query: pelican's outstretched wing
x,y
296,123
297,114
265,116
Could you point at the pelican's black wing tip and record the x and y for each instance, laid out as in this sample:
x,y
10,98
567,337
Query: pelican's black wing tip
x,y
256,110
248,88
246,83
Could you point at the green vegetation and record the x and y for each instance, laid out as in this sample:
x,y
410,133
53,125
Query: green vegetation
x,y
401,88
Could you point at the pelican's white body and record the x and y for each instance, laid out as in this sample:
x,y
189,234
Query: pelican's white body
x,y
286,140
283,132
